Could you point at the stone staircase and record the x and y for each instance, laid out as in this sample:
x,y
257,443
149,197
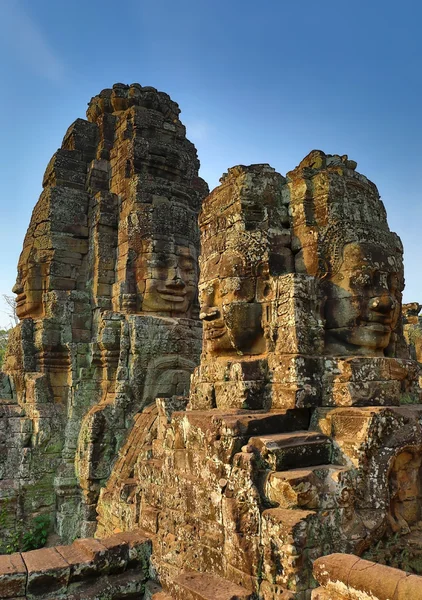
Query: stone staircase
x,y
297,480
301,478
291,467
198,586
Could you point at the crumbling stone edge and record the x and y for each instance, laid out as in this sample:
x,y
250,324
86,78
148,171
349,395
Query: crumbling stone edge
x,y
344,576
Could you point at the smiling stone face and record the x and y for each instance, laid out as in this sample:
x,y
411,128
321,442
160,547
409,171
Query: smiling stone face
x,y
172,280
242,238
231,318
342,238
29,287
363,300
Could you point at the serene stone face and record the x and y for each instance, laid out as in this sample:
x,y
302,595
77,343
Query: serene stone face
x,y
29,287
242,239
405,483
231,316
114,234
363,301
171,282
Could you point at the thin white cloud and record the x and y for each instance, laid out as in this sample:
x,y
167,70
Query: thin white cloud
x,y
197,130
24,40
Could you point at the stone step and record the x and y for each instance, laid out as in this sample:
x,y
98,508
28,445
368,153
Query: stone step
x,y
154,591
288,519
293,450
290,535
251,423
206,586
307,488
238,423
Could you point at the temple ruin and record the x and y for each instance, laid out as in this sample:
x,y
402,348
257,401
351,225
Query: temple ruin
x,y
209,396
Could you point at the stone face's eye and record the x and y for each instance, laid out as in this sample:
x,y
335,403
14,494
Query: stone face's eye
x,y
160,261
187,266
393,282
361,280
383,280
231,265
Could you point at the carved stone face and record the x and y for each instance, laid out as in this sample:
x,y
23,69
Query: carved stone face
x,y
231,317
363,301
171,282
29,287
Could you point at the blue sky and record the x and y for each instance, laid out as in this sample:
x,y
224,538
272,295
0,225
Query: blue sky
x,y
256,81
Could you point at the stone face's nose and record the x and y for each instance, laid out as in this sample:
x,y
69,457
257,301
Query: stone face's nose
x,y
382,303
18,287
177,279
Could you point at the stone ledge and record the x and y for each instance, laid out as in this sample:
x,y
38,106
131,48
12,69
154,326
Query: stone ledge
x,y
48,572
206,586
13,575
120,560
343,576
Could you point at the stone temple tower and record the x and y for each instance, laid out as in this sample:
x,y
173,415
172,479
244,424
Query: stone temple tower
x,y
107,302
302,432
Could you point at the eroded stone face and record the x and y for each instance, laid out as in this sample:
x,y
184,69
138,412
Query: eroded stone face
x,y
107,293
242,233
230,313
30,282
341,237
405,487
363,300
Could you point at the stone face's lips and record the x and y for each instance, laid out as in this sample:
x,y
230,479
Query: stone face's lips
x,y
210,315
376,326
172,295
379,318
20,299
215,333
